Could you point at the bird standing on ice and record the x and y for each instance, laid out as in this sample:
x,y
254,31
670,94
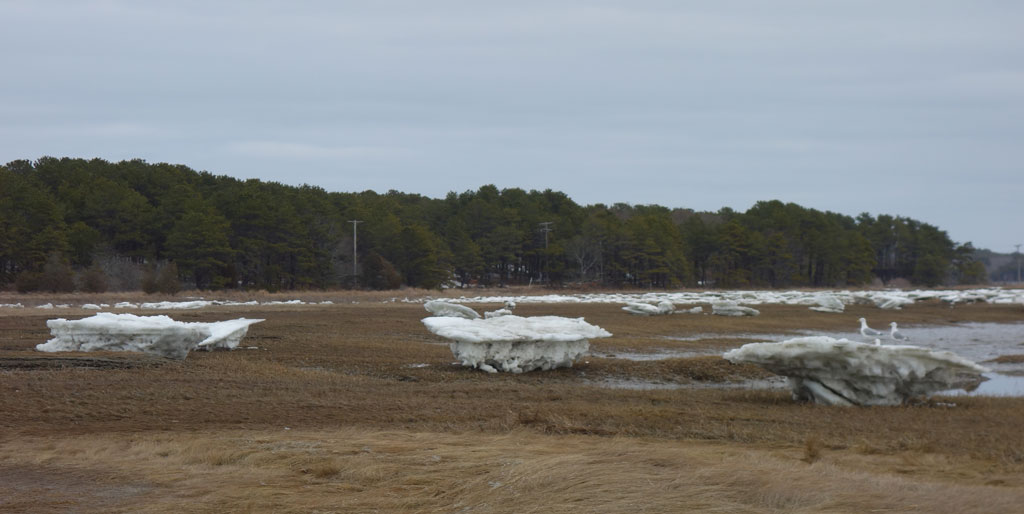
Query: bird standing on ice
x,y
867,331
895,333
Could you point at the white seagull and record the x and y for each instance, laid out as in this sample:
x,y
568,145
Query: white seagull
x,y
867,331
895,333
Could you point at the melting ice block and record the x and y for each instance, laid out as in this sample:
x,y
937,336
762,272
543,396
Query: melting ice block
x,y
841,372
514,343
732,309
892,302
159,335
439,308
646,309
828,303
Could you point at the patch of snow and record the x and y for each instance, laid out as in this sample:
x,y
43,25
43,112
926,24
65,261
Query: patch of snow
x,y
125,305
91,306
12,305
45,306
841,372
159,335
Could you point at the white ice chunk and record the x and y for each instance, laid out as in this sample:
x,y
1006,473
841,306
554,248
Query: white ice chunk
x,y
45,306
445,309
125,305
504,311
732,309
226,334
514,328
91,306
285,302
517,357
514,343
842,372
828,303
892,302
12,305
158,335
195,304
646,309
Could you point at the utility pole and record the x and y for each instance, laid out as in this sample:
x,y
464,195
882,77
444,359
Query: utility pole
x,y
545,227
1018,263
355,237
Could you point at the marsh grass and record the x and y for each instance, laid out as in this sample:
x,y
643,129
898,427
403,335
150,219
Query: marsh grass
x,y
359,470
328,405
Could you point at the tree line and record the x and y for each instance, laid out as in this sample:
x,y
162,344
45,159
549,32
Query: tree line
x,y
91,224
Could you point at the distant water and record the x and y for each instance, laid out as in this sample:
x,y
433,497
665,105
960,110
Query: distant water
x,y
979,342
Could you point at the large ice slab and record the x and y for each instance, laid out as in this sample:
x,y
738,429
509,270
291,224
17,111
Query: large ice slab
x,y
514,343
159,335
841,372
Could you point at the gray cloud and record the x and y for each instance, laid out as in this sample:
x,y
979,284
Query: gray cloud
x,y
910,108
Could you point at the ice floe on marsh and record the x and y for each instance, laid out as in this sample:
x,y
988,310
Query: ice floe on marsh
x,y
818,300
889,298
158,335
645,309
514,343
172,305
827,302
445,309
842,372
732,309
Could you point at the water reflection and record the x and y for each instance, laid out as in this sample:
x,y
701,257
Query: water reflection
x,y
996,385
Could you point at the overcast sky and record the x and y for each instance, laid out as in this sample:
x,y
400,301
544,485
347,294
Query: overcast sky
x,y
912,108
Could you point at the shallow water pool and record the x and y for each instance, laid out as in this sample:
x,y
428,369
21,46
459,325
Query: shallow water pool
x,y
979,342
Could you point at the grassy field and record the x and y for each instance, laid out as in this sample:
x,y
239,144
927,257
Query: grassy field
x,y
355,407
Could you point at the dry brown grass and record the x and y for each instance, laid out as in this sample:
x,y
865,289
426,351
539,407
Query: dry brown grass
x,y
358,470
149,435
